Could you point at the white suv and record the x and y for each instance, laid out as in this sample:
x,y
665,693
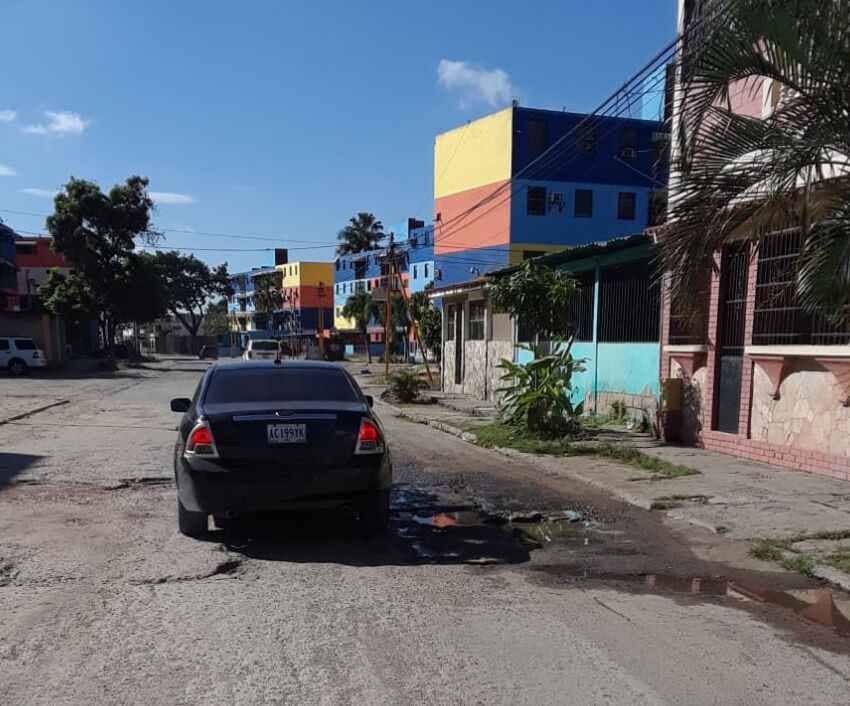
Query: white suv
x,y
261,349
17,355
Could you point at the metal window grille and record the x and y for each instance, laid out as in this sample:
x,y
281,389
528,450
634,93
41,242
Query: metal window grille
x,y
581,307
450,322
476,321
689,326
536,201
779,319
629,304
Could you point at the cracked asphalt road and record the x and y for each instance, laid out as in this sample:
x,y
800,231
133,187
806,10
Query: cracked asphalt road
x,y
103,602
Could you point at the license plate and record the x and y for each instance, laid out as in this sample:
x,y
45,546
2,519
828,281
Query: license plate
x,y
287,433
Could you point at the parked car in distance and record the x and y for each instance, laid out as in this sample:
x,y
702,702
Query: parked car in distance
x,y
18,354
208,352
262,349
276,435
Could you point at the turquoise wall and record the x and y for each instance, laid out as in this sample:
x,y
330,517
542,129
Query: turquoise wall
x,y
583,382
631,368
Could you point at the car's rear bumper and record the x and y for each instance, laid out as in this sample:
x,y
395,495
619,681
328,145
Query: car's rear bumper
x,y
245,490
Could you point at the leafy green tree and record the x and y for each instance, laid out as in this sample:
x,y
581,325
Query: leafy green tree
x,y
363,232
429,321
361,309
190,285
97,234
267,292
539,297
217,321
738,176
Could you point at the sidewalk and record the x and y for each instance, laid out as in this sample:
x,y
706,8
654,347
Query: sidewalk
x,y
740,499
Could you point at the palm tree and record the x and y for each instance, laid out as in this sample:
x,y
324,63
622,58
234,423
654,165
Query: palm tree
x,y
363,232
735,175
360,307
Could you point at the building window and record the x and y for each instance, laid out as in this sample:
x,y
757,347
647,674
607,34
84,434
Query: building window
x,y
425,267
626,201
476,321
369,285
778,318
536,201
629,146
337,265
450,322
538,137
586,139
415,275
629,304
584,203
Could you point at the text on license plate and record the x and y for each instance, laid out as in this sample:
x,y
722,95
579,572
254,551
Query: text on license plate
x,y
287,433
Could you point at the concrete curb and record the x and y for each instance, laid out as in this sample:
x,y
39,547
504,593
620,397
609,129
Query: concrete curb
x,y
827,573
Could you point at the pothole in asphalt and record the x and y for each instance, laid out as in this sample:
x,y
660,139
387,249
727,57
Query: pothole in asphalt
x,y
424,529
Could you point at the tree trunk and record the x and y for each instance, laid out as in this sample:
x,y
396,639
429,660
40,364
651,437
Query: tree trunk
x,y
368,350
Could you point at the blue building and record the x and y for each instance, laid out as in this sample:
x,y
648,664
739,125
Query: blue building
x,y
524,182
365,272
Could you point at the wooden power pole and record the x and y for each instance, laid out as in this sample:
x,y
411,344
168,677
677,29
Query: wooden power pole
x,y
388,310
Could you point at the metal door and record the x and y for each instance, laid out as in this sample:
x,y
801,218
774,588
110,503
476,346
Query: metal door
x,y
733,301
458,314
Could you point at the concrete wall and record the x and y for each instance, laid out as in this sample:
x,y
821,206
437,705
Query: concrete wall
x,y
808,413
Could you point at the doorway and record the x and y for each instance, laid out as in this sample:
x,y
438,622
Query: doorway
x,y
734,266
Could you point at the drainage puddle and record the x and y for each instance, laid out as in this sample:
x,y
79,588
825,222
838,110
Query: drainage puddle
x,y
817,607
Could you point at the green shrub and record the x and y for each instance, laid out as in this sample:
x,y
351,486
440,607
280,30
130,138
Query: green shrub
x,y
405,385
537,394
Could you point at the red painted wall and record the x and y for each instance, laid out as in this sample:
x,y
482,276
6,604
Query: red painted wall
x,y
43,256
485,226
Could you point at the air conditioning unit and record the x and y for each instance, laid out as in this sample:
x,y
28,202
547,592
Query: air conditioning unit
x,y
628,153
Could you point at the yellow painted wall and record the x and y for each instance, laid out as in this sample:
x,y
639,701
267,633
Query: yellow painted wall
x,y
307,274
517,249
474,154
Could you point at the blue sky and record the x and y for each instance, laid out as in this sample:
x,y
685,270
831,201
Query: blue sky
x,y
282,119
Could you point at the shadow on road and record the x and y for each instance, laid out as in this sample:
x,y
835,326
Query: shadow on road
x,y
422,531
12,464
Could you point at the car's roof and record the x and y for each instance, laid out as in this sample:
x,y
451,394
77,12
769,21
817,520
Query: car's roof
x,y
239,364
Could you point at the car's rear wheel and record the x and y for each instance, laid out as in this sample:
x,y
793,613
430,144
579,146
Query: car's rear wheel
x,y
192,524
17,366
375,512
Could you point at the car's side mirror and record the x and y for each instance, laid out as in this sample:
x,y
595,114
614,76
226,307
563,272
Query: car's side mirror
x,y
181,404
370,400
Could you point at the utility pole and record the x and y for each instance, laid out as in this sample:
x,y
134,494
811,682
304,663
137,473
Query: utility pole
x,y
321,292
388,314
415,330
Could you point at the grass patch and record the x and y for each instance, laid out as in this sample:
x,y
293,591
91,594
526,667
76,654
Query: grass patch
x,y
840,560
801,563
670,502
502,435
769,549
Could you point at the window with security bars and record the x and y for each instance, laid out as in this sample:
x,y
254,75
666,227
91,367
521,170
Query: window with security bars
x,y
450,322
778,318
581,307
629,304
476,321
536,201
689,320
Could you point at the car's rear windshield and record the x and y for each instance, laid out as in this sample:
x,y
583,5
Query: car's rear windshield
x,y
264,345
24,344
279,385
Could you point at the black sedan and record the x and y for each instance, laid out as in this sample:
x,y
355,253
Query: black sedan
x,y
272,435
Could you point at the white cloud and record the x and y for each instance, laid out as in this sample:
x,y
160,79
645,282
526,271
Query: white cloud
x,y
476,84
41,193
161,197
61,122
7,116
6,171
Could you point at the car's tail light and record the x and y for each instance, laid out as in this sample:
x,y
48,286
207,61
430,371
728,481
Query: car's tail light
x,y
35,355
369,438
201,442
